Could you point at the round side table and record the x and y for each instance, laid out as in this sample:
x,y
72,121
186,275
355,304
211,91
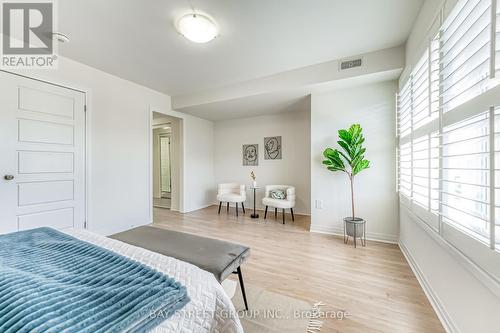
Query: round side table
x,y
356,229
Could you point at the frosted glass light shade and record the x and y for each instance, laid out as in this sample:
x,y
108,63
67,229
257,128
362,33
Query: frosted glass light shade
x,y
197,28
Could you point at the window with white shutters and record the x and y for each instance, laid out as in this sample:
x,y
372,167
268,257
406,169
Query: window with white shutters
x,y
449,133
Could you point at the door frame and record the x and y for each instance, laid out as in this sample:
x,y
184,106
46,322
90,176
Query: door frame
x,y
87,133
181,162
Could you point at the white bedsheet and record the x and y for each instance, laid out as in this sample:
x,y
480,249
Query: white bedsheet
x,y
210,309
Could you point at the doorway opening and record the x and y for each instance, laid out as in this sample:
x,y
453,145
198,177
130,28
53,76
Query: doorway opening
x,y
166,161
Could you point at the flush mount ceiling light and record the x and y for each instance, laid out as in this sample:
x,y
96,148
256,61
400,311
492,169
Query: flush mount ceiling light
x,y
197,28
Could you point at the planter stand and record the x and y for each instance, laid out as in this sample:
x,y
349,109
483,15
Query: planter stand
x,y
356,229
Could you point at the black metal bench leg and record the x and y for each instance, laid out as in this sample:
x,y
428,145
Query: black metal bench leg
x,y
243,207
293,217
275,213
220,204
242,286
227,209
283,215
236,209
265,213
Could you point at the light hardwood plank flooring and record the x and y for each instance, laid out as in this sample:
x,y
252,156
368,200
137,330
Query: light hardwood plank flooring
x,y
374,284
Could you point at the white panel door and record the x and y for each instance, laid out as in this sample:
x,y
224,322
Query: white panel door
x,y
42,155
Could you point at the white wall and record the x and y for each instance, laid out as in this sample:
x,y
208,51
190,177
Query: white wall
x,y
119,135
458,289
198,171
292,169
373,107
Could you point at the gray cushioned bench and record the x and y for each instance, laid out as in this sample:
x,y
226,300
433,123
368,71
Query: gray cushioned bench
x,y
215,256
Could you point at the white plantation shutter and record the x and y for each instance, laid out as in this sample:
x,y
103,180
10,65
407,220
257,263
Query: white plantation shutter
x,y
405,169
449,134
404,110
466,169
465,52
425,87
496,231
434,173
420,92
434,77
497,37
420,171
425,177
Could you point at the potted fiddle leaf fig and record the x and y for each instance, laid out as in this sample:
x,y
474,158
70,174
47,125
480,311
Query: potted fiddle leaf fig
x,y
350,159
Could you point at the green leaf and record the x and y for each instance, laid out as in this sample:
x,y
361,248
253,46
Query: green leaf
x,y
333,160
345,135
347,159
364,164
345,146
356,161
355,130
337,160
331,168
328,152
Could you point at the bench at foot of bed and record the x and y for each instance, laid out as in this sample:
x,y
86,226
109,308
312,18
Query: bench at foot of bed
x,y
215,256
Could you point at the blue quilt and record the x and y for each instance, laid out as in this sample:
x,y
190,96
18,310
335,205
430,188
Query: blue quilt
x,y
53,282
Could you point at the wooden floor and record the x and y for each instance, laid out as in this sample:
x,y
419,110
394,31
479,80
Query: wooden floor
x,y
374,284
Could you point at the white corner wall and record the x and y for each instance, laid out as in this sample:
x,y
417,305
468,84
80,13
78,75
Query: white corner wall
x,y
198,171
119,113
292,169
460,292
373,107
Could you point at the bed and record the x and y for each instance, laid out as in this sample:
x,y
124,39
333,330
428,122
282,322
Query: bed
x,y
209,309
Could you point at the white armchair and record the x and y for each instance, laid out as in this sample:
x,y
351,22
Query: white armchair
x,y
287,203
232,192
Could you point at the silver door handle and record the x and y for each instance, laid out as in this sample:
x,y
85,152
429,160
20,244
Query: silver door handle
x,y
8,177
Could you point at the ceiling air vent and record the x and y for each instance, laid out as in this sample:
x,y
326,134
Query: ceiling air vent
x,y
348,64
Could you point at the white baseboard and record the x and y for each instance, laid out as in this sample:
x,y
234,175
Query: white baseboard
x,y
195,209
437,305
374,236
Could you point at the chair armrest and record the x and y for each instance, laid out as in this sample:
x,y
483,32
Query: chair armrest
x,y
243,190
268,189
290,195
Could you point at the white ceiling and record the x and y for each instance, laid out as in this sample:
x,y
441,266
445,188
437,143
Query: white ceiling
x,y
136,39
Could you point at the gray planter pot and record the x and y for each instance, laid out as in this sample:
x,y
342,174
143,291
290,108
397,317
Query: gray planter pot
x,y
349,226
